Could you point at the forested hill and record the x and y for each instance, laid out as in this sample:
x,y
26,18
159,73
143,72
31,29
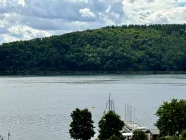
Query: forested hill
x,y
115,48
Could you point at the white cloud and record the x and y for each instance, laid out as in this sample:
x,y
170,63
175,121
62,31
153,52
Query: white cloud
x,y
157,18
86,13
26,19
154,11
2,2
21,32
26,32
21,2
8,38
84,1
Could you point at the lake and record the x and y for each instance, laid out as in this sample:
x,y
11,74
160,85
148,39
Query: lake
x,y
39,107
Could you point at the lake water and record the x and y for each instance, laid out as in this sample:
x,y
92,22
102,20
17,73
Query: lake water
x,y
38,108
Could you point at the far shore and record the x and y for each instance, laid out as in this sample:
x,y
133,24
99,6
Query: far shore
x,y
56,73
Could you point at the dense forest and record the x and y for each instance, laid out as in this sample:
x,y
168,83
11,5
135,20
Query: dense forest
x,y
113,48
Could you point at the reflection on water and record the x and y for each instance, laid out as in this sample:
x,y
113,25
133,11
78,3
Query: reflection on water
x,y
35,108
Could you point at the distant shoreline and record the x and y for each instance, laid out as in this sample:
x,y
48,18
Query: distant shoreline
x,y
55,73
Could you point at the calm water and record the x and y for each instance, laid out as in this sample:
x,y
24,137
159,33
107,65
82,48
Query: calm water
x,y
38,108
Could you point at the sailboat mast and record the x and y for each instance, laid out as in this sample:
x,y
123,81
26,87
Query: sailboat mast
x,y
109,103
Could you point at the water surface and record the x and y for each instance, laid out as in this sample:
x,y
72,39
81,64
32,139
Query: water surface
x,y
39,107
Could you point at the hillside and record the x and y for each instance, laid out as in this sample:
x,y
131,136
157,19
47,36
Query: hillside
x,y
115,48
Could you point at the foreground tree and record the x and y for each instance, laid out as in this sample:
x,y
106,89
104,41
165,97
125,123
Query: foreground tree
x,y
114,138
121,137
82,125
109,125
139,135
183,135
172,118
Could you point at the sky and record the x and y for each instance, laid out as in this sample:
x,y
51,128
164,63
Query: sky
x,y
28,19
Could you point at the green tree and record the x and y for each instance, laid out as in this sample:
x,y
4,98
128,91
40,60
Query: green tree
x,y
113,138
114,48
139,135
172,118
81,126
161,138
183,135
121,137
109,125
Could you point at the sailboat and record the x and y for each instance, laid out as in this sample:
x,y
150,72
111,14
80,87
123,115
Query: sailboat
x,y
109,105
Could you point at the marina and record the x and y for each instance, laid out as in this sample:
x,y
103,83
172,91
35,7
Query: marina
x,y
129,125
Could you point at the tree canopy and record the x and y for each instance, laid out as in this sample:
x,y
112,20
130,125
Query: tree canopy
x,y
121,137
139,135
112,48
81,126
109,125
183,135
113,138
171,118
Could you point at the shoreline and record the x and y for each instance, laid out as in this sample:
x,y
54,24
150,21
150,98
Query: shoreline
x,y
58,73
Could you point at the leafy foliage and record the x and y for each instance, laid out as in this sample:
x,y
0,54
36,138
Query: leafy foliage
x,y
82,125
162,138
172,117
114,48
139,135
109,125
121,137
183,135
113,138
169,138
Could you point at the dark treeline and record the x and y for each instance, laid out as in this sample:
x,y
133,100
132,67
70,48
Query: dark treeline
x,y
113,48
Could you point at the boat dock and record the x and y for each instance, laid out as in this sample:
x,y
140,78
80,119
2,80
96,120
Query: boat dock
x,y
130,122
131,125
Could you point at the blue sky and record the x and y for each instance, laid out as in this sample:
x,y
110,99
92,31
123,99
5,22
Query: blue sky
x,y
27,19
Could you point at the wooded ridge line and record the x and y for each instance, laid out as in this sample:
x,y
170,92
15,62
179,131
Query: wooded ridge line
x,y
133,48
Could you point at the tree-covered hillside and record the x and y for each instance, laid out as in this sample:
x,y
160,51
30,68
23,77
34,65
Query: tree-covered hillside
x,y
115,48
